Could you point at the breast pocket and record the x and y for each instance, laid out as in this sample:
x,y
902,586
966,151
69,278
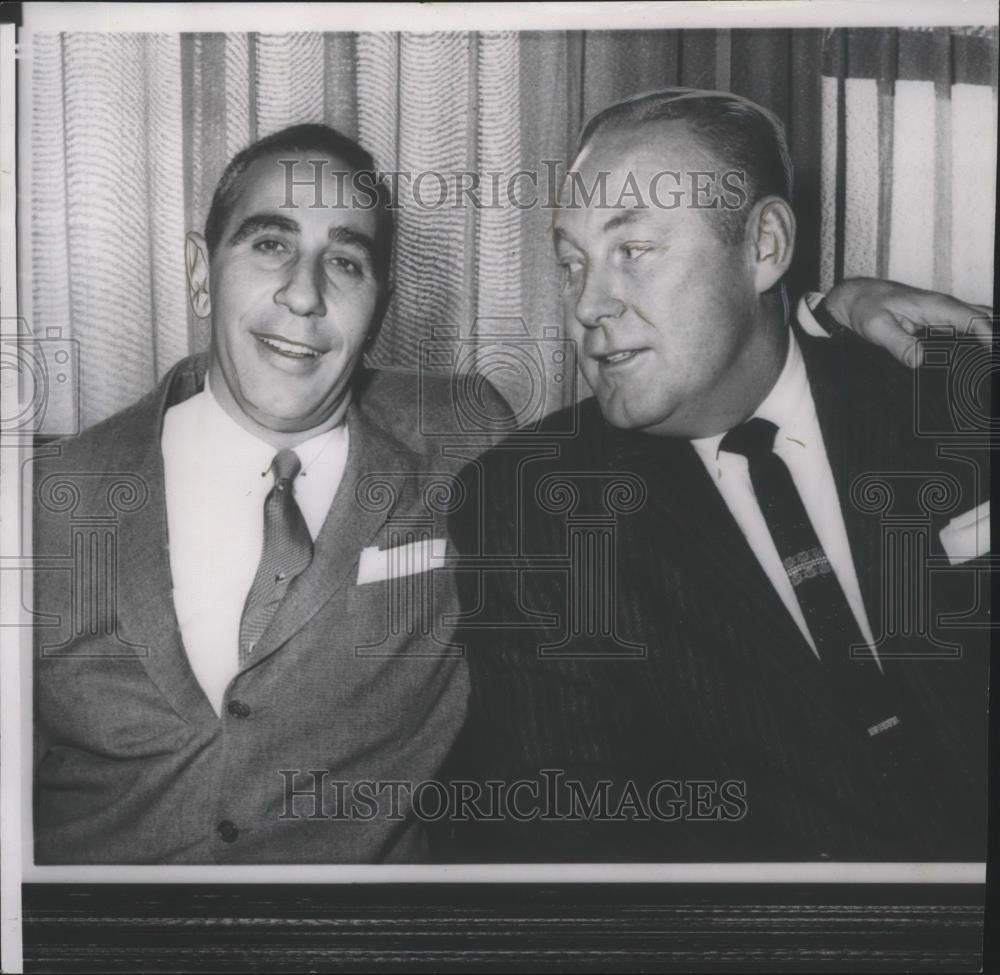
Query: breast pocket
x,y
411,614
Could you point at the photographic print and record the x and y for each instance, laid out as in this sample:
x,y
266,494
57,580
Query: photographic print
x,y
497,487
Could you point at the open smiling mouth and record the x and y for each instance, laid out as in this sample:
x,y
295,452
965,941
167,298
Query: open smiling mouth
x,y
618,358
291,350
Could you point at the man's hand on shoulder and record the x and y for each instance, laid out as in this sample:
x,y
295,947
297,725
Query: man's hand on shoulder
x,y
894,315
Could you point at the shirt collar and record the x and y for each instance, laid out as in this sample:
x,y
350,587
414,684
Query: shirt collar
x,y
242,448
789,402
788,405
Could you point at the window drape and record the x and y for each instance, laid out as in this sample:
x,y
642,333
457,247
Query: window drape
x,y
909,157
129,133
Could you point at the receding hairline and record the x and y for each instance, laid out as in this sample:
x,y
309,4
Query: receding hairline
x,y
635,127
240,177
642,109
713,116
236,191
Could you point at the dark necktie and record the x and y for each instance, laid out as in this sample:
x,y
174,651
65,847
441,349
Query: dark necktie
x,y
828,615
287,552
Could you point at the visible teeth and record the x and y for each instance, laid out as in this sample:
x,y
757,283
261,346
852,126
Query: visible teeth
x,y
618,356
288,348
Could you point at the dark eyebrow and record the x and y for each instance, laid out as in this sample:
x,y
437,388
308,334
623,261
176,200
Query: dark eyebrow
x,y
275,221
357,238
262,221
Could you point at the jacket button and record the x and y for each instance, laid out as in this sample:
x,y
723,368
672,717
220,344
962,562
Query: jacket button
x,y
238,709
227,831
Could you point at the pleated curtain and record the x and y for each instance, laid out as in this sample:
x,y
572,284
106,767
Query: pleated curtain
x,y
129,134
909,157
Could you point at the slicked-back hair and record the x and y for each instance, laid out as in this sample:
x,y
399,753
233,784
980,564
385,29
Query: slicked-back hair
x,y
323,140
740,135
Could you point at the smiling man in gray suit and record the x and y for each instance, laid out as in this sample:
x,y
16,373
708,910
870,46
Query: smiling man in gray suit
x,y
207,700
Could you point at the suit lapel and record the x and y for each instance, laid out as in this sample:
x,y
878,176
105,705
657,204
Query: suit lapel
x,y
857,441
145,609
704,538
349,527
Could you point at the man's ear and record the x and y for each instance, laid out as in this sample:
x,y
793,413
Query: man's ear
x,y
196,265
772,238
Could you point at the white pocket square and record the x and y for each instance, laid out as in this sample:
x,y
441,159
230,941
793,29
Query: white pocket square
x,y
379,565
967,536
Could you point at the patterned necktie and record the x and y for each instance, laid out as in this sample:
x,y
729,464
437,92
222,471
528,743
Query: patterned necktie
x,y
827,613
287,552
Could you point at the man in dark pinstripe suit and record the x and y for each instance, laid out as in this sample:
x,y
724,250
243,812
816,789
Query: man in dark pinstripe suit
x,y
678,682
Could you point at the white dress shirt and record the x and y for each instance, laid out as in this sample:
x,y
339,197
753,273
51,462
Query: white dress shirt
x,y
799,443
216,477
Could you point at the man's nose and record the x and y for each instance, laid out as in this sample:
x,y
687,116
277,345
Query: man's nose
x,y
597,301
302,293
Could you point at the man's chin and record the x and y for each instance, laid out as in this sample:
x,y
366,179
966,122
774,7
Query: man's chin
x,y
615,410
623,416
284,419
279,422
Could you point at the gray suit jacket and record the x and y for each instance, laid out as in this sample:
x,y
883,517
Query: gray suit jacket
x,y
349,684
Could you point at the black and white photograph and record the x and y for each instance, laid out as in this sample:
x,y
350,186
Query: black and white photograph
x,y
497,487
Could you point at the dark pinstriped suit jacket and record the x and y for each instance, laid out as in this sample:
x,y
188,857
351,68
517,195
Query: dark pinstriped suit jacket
x,y
702,675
